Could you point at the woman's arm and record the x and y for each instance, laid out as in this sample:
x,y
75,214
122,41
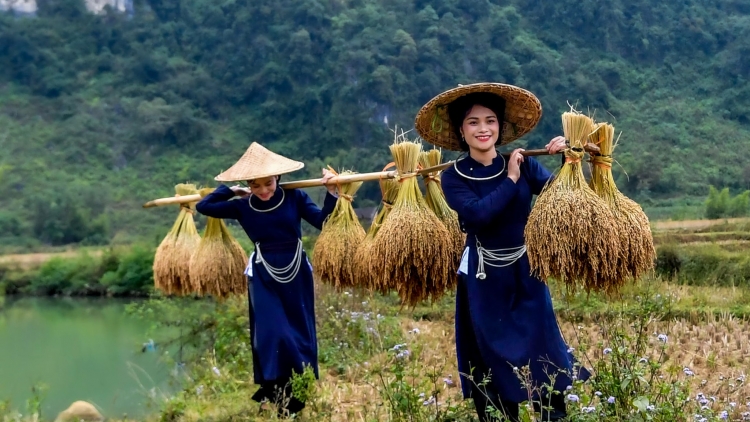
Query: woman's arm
x,y
310,212
536,175
217,204
472,209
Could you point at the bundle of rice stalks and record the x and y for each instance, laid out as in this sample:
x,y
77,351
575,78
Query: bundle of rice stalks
x,y
364,271
637,253
571,234
436,201
412,250
217,267
172,258
333,255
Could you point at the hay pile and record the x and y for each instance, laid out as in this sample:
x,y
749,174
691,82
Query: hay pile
x,y
436,201
413,251
172,259
335,249
637,253
365,272
217,267
571,234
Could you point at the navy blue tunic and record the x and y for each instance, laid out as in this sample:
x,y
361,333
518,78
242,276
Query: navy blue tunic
x,y
282,315
505,320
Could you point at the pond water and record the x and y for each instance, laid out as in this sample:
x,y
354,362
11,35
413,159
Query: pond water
x,y
80,349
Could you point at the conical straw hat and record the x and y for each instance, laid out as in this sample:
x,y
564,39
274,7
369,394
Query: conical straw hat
x,y
522,113
258,162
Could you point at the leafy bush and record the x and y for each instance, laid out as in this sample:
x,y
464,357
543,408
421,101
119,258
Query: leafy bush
x,y
114,272
721,204
668,262
134,274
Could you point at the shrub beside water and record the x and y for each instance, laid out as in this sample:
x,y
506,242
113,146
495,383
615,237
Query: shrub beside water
x,y
113,273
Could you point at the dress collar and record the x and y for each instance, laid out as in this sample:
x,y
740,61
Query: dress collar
x,y
273,202
467,162
471,169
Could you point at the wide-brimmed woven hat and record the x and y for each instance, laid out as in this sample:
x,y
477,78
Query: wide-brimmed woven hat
x,y
522,113
258,162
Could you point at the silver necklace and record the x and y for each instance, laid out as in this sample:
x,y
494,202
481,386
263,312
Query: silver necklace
x,y
455,167
250,202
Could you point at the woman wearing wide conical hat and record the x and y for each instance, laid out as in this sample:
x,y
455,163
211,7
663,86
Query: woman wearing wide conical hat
x,y
280,281
504,316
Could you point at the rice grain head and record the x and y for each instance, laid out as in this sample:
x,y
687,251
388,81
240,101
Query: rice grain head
x,y
571,234
365,267
435,199
217,268
335,249
172,258
413,250
637,252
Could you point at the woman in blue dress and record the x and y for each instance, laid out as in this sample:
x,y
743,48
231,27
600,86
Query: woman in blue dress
x,y
504,315
280,281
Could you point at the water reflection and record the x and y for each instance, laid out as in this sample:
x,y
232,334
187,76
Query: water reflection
x,y
81,349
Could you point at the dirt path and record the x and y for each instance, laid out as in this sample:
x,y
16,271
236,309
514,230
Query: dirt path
x,y
32,260
696,224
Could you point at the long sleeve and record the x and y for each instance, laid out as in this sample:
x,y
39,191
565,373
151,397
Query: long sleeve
x,y
536,175
217,204
472,209
311,213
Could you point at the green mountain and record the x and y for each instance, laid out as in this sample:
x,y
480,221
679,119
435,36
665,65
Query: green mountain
x,y
100,113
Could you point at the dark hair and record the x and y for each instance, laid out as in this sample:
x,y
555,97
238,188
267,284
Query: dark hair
x,y
461,106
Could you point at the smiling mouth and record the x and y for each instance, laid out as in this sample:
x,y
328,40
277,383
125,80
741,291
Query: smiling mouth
x,y
483,138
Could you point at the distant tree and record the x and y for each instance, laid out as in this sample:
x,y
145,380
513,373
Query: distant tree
x,y
717,203
740,205
721,204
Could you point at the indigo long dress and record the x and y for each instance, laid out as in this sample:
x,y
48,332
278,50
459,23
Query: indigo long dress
x,y
505,320
282,310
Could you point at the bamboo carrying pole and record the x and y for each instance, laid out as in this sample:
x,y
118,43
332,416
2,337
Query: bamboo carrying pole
x,y
340,180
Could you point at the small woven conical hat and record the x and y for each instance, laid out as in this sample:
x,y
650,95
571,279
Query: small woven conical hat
x,y
258,162
522,113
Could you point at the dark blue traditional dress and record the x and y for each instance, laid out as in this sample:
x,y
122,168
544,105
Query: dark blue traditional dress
x,y
280,282
504,315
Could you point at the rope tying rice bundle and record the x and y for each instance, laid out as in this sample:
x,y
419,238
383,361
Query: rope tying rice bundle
x,y
336,246
637,252
217,267
571,234
413,251
172,259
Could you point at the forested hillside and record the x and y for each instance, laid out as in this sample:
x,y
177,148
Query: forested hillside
x,y
99,113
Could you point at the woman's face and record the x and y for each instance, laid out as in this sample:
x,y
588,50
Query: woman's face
x,y
264,187
480,128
